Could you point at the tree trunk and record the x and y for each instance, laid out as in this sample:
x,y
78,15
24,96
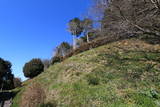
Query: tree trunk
x,y
87,38
74,42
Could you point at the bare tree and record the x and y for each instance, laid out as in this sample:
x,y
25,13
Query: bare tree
x,y
131,17
156,3
46,63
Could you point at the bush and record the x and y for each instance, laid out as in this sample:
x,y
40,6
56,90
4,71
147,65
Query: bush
x,y
33,96
33,68
56,59
17,82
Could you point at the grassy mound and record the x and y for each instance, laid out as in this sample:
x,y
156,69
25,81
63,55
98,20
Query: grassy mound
x,y
125,73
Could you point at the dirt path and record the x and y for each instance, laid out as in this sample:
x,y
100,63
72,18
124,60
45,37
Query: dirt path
x,y
7,103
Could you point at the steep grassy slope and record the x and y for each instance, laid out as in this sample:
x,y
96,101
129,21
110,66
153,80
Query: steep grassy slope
x,y
121,74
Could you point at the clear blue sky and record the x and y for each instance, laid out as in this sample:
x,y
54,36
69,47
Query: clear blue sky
x,y
33,28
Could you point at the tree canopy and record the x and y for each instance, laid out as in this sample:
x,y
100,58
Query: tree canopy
x,y
33,68
63,49
6,76
74,27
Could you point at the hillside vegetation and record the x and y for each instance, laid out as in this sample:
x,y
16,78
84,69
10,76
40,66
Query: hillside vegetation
x,y
125,73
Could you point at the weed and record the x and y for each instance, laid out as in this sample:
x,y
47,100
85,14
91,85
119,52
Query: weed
x,y
92,80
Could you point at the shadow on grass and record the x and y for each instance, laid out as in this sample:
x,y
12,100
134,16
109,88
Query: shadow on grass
x,y
150,39
15,93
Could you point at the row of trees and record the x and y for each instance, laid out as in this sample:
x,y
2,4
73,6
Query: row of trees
x,y
117,18
81,30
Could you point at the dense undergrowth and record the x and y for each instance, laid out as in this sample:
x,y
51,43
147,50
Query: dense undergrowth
x,y
125,73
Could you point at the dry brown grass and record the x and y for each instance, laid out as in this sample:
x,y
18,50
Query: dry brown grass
x,y
33,96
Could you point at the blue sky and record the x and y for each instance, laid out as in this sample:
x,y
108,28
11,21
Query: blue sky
x,y
33,28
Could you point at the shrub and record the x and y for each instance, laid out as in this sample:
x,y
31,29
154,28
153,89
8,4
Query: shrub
x,y
78,73
17,82
56,59
33,96
33,68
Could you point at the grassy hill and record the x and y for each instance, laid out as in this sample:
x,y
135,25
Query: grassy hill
x,y
125,73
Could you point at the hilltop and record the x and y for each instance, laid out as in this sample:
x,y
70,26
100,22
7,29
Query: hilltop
x,y
125,73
